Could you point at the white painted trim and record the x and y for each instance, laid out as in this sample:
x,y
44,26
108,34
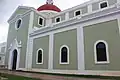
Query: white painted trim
x,y
50,59
67,55
17,22
17,46
43,23
80,49
77,11
76,72
37,56
103,2
56,31
57,18
48,11
118,20
67,16
28,62
90,8
95,53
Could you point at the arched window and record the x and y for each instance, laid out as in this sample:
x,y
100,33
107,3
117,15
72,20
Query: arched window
x,y
40,21
101,52
64,55
39,56
18,23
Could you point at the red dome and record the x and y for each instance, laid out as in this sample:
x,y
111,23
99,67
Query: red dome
x,y
49,7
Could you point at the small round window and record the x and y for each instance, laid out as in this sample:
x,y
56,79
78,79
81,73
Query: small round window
x,y
18,23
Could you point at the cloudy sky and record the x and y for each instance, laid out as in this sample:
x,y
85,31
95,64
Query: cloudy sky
x,y
7,7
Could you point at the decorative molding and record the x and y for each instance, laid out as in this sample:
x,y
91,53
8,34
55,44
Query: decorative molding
x,y
67,55
28,63
43,23
37,56
95,52
14,45
57,18
50,59
80,48
76,20
103,2
17,23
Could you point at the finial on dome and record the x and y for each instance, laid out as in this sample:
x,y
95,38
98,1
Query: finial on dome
x,y
49,2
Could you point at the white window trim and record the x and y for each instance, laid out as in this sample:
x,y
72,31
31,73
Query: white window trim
x,y
56,18
107,53
16,23
42,22
37,56
67,55
103,2
76,11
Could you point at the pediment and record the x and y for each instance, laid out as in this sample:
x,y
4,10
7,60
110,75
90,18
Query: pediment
x,y
19,11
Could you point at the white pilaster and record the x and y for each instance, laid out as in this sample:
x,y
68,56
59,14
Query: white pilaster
x,y
80,48
50,61
90,8
28,63
66,16
118,19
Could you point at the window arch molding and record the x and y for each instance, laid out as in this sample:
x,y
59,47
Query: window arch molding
x,y
60,61
40,49
95,52
18,25
42,22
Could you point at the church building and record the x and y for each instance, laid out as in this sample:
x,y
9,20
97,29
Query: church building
x,y
82,39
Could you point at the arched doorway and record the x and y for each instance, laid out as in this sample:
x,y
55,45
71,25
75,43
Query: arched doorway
x,y
14,59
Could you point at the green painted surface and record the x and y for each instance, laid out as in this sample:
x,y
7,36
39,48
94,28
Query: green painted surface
x,y
68,38
83,10
19,11
21,34
36,16
109,32
42,42
95,6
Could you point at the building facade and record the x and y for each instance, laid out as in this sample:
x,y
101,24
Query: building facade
x,y
81,39
2,53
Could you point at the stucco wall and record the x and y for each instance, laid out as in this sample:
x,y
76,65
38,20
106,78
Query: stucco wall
x,y
68,38
41,42
109,32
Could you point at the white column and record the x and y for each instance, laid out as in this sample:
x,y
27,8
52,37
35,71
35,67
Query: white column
x,y
80,48
28,63
50,59
89,8
66,16
118,19
18,58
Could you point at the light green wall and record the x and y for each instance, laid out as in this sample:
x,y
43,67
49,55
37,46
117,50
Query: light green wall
x,y
83,10
36,16
109,32
19,11
68,38
95,6
21,34
41,42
